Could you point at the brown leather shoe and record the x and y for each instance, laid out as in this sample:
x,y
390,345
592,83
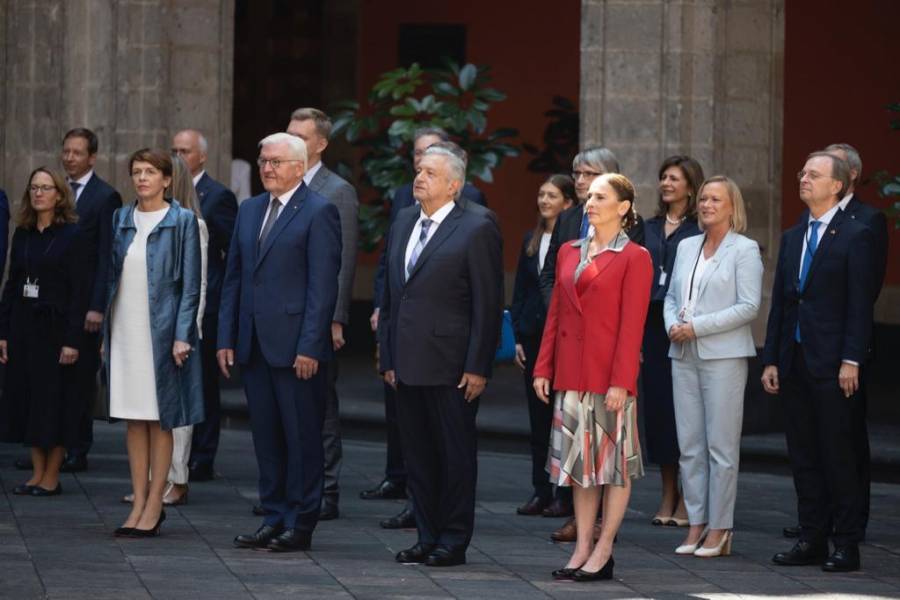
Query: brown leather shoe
x,y
568,533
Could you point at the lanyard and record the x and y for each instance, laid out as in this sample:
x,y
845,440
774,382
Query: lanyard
x,y
694,272
27,252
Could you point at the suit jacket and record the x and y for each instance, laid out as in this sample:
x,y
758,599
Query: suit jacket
x,y
568,228
219,208
4,230
96,205
340,193
403,197
592,340
284,292
527,309
445,319
728,300
834,308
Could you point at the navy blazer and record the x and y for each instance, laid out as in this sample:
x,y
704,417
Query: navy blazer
x,y
568,228
219,208
403,197
834,308
283,293
662,250
95,206
527,309
444,320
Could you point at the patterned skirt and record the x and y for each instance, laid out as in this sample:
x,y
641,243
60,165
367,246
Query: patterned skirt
x,y
590,446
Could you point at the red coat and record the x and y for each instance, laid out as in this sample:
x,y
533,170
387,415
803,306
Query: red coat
x,y
592,338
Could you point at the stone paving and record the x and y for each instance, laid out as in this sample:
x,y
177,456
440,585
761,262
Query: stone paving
x,y
62,547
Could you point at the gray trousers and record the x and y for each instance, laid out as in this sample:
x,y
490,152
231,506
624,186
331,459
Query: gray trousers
x,y
709,413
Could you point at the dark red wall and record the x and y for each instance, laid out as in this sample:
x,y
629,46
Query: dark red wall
x,y
533,54
840,71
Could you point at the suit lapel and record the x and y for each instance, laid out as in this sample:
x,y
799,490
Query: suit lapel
x,y
202,189
319,179
404,230
443,232
717,259
287,214
825,241
570,262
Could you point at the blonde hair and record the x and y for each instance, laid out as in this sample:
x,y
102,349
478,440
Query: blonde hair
x,y
182,187
739,214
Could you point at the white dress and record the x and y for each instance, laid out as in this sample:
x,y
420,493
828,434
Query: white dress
x,y
132,378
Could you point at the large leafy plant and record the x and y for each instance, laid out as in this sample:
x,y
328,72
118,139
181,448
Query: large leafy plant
x,y
889,185
454,98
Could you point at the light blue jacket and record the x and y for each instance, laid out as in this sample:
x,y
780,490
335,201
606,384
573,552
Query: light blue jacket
x,y
173,273
730,293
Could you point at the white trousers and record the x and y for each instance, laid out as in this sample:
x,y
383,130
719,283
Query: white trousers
x,y
709,414
181,453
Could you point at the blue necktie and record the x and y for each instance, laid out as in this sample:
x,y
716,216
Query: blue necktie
x,y
812,242
585,226
423,235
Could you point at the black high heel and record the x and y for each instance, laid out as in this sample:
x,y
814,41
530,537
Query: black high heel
x,y
145,533
604,573
123,531
564,573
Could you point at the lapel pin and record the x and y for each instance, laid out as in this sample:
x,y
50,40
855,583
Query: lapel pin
x,y
833,231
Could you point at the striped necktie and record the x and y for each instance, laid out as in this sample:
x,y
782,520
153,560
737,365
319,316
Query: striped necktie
x,y
423,237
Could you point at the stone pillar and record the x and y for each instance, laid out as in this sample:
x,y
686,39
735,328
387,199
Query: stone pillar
x,y
134,71
699,77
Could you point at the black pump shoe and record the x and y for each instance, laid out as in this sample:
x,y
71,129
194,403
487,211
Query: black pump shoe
x,y
604,573
564,573
123,531
146,533
40,492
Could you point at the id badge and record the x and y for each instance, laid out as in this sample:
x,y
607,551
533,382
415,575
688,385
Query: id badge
x,y
662,277
30,290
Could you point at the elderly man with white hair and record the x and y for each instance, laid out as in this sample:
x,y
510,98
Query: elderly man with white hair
x,y
278,299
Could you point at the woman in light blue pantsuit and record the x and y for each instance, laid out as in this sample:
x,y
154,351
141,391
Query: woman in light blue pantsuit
x,y
713,297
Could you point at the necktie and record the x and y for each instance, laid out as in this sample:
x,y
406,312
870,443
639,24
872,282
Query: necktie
x,y
812,242
74,185
270,221
585,226
423,235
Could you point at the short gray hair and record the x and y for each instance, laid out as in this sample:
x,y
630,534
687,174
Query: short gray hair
x,y
853,158
201,139
840,169
435,131
454,148
597,157
296,145
455,164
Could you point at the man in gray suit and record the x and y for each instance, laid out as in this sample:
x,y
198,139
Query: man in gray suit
x,y
314,127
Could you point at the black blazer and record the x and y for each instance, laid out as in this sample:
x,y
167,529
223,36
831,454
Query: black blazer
x,y
445,319
219,207
95,206
834,308
403,197
567,228
527,308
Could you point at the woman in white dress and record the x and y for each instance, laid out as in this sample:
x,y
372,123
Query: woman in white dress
x,y
153,296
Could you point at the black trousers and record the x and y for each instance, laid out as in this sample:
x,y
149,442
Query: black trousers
x,y
86,367
395,468
437,428
824,445
661,435
331,435
205,440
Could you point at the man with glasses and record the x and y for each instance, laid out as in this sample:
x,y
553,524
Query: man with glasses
x,y
818,334
278,299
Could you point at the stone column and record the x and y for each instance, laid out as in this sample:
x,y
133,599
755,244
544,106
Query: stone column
x,y
134,71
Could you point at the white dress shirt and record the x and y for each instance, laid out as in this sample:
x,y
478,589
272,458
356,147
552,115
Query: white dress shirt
x,y
824,222
543,249
283,199
437,218
311,172
845,201
199,176
81,181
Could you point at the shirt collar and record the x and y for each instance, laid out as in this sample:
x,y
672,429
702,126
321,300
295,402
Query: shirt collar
x,y
82,181
845,201
827,217
616,245
439,215
199,176
311,172
286,197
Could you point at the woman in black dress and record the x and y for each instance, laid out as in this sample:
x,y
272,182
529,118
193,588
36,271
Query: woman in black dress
x,y
41,320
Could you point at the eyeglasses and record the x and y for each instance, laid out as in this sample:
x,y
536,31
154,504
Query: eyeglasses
x,y
45,189
576,175
813,175
273,162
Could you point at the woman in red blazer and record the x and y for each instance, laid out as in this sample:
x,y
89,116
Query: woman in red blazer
x,y
591,352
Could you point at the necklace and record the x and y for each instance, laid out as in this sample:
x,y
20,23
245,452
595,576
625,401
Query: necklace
x,y
674,221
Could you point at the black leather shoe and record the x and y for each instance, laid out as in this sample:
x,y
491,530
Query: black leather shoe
x,y
845,558
123,531
803,553
791,532
147,533
259,511
74,464
23,464
386,490
415,555
44,493
558,509
564,573
329,511
201,472
260,539
606,572
444,556
23,489
405,519
533,507
292,540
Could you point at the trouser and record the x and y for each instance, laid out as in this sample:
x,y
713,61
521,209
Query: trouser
x,y
437,427
86,367
709,414
395,467
205,442
181,451
331,436
824,445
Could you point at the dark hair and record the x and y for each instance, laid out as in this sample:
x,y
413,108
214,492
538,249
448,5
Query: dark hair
x,y
65,206
90,136
693,173
159,159
320,120
625,191
566,186
435,131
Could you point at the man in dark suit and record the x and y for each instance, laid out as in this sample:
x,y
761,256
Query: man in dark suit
x,y
219,208
95,201
394,483
314,127
438,332
817,337
278,298
876,221
4,229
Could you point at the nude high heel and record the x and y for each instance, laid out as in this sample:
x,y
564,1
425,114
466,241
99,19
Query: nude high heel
x,y
722,549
